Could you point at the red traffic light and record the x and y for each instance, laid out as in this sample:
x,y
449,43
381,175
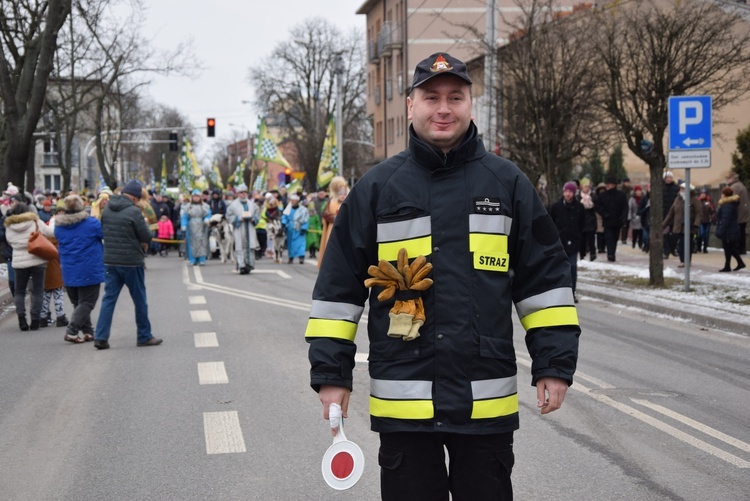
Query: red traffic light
x,y
287,175
211,127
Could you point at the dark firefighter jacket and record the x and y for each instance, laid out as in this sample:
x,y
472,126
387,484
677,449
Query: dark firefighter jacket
x,y
477,218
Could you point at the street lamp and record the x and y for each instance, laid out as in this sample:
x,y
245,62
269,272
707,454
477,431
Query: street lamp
x,y
338,70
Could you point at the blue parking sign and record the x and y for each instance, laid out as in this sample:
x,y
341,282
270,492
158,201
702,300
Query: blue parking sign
x,y
690,122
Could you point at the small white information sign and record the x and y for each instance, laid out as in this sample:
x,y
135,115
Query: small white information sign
x,y
690,159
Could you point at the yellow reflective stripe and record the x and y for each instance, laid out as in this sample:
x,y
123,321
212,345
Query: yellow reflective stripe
x,y
487,243
421,246
495,407
401,409
551,317
324,327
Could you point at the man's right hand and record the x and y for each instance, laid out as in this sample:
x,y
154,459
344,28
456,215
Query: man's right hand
x,y
334,395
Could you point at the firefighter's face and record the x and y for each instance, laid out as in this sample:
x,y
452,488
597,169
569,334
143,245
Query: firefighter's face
x,y
440,110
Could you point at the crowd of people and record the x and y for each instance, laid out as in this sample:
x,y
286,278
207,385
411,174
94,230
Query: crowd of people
x,y
592,223
104,238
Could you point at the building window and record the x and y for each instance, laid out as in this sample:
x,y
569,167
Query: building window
x,y
50,152
390,130
53,182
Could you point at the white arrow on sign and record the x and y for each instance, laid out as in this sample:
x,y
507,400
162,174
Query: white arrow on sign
x,y
688,141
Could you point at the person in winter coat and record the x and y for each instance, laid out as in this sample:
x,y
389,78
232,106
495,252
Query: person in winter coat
x,y
613,207
165,232
707,216
125,231
676,220
728,229
194,219
636,227
295,219
588,232
601,248
217,205
644,212
79,237
445,377
743,209
670,192
53,292
314,231
338,191
569,218
243,214
20,223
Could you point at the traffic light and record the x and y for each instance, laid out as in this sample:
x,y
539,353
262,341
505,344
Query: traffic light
x,y
173,141
211,127
287,175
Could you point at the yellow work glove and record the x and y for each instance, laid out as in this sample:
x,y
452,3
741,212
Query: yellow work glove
x,y
407,315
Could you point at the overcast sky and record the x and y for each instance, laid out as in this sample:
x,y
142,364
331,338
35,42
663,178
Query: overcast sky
x,y
229,36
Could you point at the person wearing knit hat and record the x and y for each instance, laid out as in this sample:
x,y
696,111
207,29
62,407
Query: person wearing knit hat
x,y
636,226
613,207
588,232
567,214
125,231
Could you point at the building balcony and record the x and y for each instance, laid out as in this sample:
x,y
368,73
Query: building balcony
x,y
372,51
389,89
389,39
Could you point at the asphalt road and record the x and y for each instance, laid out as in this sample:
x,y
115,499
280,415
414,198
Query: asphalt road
x,y
222,410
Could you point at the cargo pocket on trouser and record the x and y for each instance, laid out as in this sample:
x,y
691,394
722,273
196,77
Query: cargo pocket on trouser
x,y
505,461
393,477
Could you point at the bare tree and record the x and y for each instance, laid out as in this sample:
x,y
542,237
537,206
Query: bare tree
x,y
29,38
647,52
295,88
129,61
549,88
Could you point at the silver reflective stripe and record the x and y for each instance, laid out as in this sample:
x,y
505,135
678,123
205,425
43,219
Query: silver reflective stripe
x,y
494,388
487,223
555,297
401,390
336,311
404,230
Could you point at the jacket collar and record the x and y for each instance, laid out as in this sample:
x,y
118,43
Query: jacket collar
x,y
433,159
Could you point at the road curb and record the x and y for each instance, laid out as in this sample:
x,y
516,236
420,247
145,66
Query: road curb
x,y
724,324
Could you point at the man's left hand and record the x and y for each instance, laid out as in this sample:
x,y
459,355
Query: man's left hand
x,y
550,393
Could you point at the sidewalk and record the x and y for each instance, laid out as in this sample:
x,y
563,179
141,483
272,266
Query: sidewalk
x,y
716,300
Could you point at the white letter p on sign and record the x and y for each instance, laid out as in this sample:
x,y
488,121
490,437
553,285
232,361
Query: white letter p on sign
x,y
686,120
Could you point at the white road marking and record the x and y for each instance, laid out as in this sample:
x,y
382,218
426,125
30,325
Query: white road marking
x,y
280,273
361,358
186,279
200,316
205,340
652,421
212,373
223,433
694,424
197,299
198,274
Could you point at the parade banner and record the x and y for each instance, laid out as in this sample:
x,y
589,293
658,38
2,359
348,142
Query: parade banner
x,y
329,157
265,146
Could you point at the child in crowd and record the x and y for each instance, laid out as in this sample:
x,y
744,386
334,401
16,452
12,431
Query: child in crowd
x,y
166,232
314,231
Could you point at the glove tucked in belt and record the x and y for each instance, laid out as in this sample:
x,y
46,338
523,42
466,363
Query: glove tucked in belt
x,y
406,282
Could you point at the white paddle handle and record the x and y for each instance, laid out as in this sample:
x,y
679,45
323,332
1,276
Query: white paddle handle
x,y
337,422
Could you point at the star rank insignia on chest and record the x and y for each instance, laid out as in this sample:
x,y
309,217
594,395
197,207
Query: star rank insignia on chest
x,y
487,205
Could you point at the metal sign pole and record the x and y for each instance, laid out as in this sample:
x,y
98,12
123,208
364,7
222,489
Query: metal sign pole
x,y
687,238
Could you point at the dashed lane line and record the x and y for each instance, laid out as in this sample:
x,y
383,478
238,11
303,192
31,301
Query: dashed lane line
x,y
212,373
223,433
206,340
193,300
200,316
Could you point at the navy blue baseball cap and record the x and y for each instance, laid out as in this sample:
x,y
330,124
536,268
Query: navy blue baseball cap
x,y
440,63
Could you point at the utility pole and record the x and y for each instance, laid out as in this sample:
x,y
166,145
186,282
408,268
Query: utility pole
x,y
489,74
338,69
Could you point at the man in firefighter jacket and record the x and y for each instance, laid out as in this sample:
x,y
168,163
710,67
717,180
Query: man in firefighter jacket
x,y
478,221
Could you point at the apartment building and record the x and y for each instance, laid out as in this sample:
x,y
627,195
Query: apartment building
x,y
400,33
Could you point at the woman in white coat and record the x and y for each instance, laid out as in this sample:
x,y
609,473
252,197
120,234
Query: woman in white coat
x,y
19,225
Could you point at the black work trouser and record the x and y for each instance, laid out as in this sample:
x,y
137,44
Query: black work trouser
x,y
412,466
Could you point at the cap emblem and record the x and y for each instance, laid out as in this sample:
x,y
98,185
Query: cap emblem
x,y
440,65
